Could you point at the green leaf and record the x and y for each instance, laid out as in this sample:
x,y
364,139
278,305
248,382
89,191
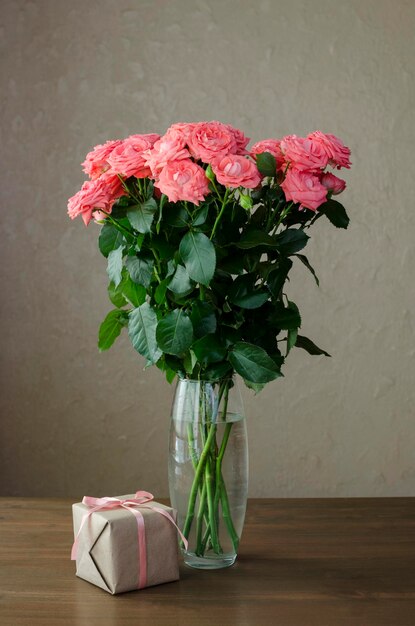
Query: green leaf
x,y
160,292
291,338
141,215
189,361
111,328
139,242
244,294
164,249
259,216
109,239
306,262
127,291
233,264
201,215
114,268
176,215
203,319
142,332
171,268
199,257
264,268
174,363
140,269
133,292
266,164
276,278
170,375
335,213
217,371
230,335
252,238
286,318
253,363
306,344
119,208
150,189
291,241
175,333
209,349
256,387
115,295
181,283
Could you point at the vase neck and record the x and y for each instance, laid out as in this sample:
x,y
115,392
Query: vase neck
x,y
207,402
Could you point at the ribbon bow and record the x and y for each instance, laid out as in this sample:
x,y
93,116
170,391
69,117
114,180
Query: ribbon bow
x,y
140,500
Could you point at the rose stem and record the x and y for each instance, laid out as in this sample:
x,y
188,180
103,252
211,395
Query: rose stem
x,y
199,521
220,484
196,481
211,510
199,472
226,514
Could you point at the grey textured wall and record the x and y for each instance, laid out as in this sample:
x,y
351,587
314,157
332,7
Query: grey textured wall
x,y
76,73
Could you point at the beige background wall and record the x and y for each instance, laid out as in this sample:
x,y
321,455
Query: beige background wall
x,y
74,421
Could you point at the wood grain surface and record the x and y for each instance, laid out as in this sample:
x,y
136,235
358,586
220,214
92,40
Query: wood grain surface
x,y
322,562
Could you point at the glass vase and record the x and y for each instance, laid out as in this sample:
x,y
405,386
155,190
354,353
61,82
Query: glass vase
x,y
208,470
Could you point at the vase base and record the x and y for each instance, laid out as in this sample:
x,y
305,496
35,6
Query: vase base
x,y
209,562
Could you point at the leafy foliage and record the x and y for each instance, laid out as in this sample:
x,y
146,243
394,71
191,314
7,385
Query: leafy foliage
x,y
309,346
140,269
180,283
291,241
141,215
266,164
109,239
175,333
110,328
114,268
202,289
198,254
335,212
307,264
253,363
142,332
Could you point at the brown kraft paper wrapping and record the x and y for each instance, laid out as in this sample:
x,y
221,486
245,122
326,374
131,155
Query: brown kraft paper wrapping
x,y
108,555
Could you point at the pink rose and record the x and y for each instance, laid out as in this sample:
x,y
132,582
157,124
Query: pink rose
x,y
337,153
96,161
183,180
241,140
304,188
114,185
235,170
303,154
333,183
97,194
170,147
209,140
184,128
129,158
273,147
93,195
150,137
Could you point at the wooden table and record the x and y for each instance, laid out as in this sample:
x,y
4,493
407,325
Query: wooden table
x,y
302,562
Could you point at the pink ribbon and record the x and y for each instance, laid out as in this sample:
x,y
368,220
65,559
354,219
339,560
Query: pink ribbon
x,y
140,499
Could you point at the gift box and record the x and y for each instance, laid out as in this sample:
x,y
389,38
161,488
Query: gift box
x,y
125,543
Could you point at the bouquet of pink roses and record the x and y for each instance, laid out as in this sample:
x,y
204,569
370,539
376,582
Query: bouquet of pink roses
x,y
200,233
